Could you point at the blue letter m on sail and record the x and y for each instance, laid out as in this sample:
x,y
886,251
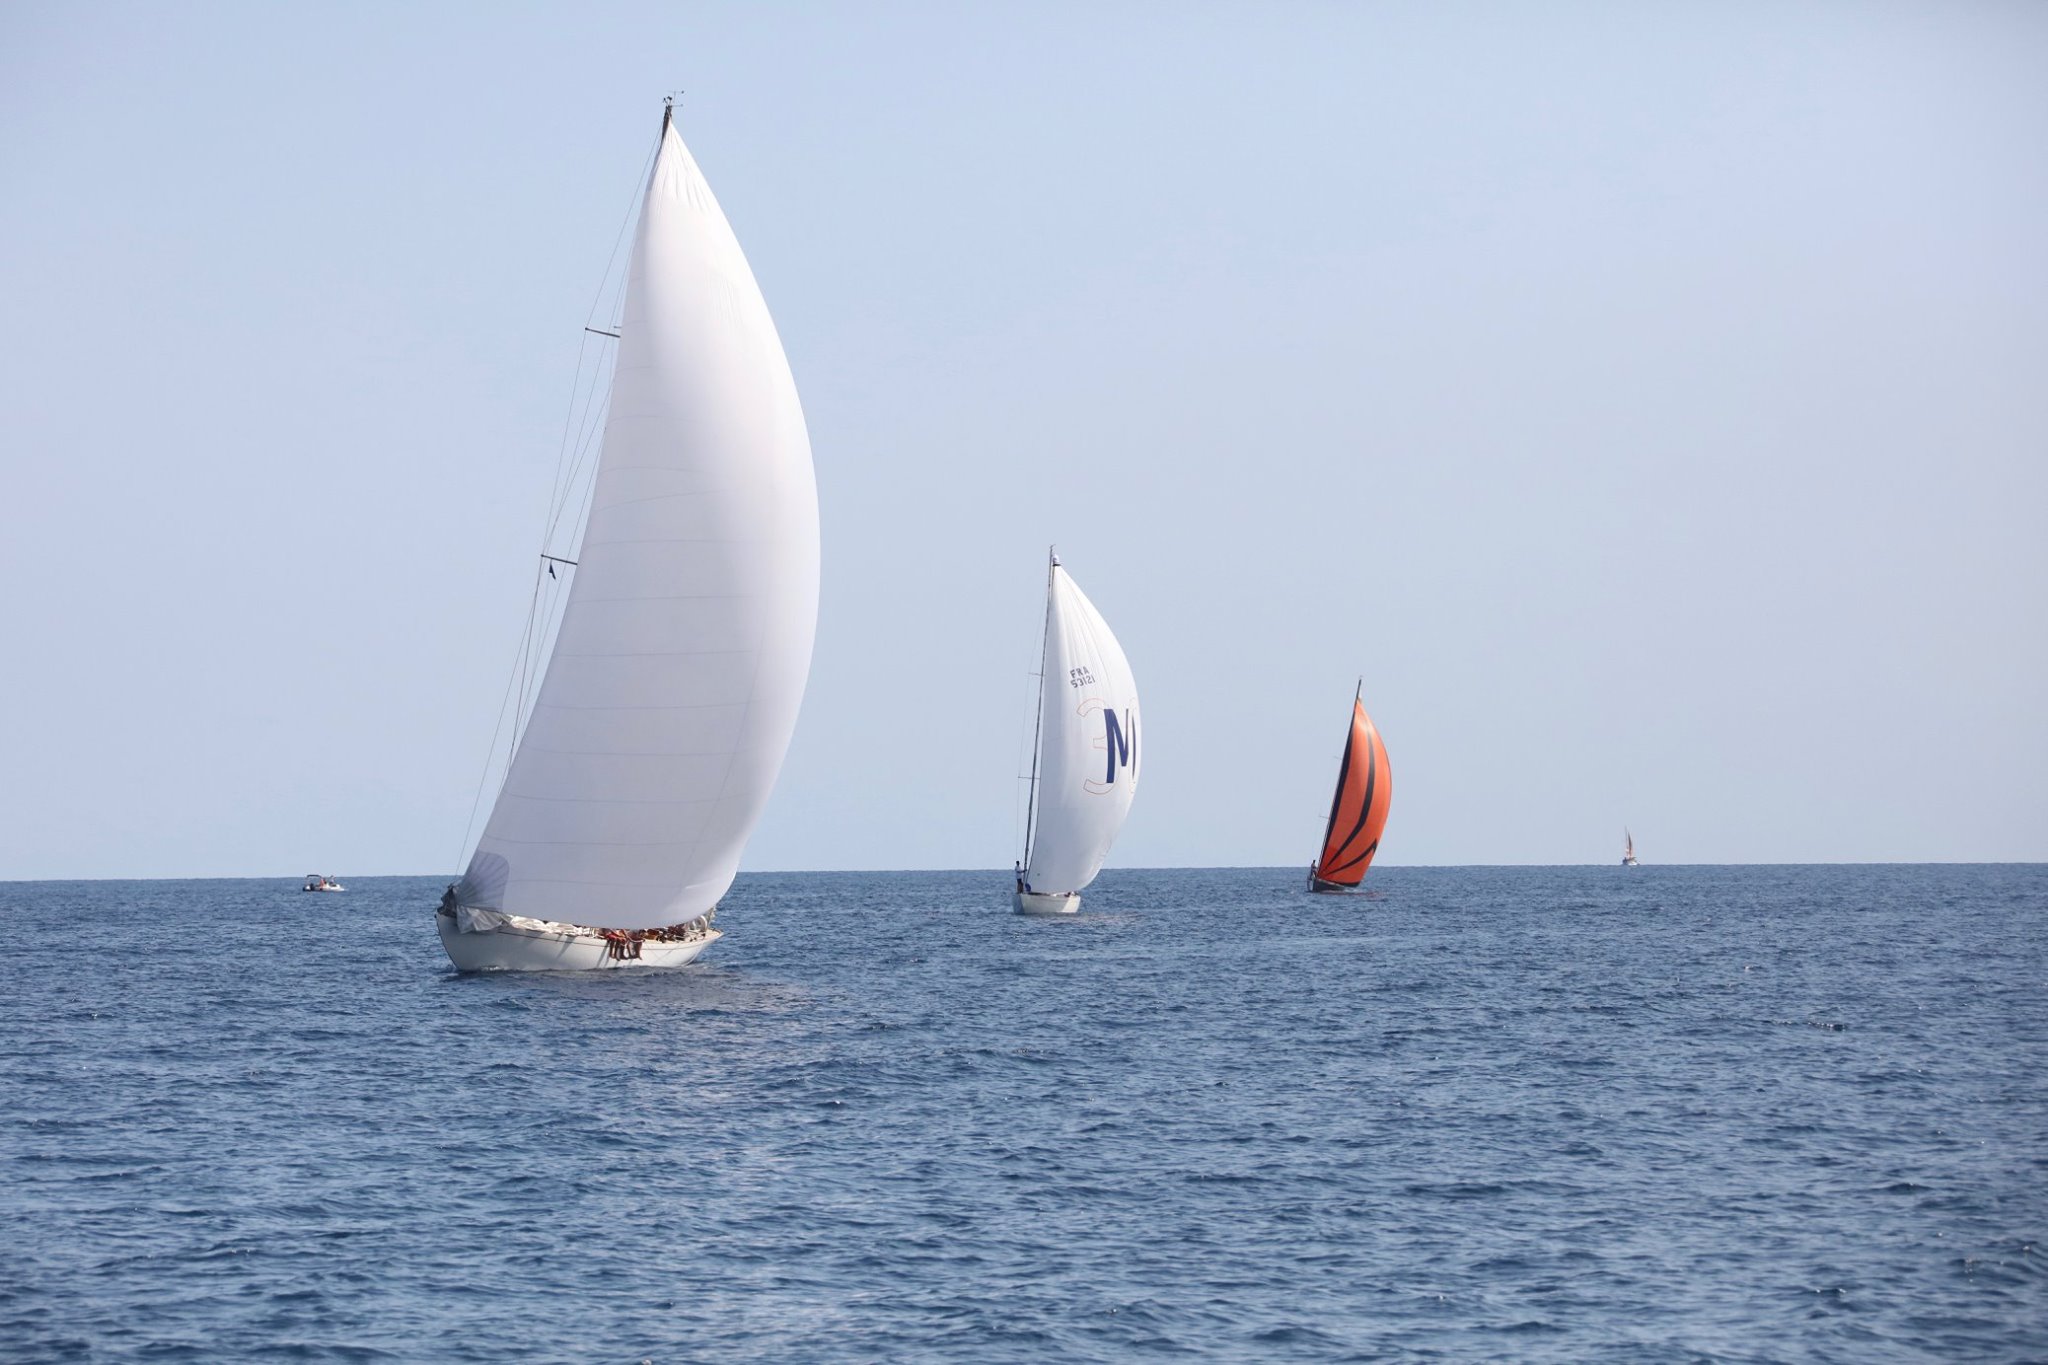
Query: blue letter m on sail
x,y
1120,747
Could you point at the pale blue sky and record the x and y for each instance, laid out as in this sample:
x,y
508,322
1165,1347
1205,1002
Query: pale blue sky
x,y
1651,402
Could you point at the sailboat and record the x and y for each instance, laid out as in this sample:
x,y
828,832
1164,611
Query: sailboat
x,y
1628,849
672,689
1084,759
1358,812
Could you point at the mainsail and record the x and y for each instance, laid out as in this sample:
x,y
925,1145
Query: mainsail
x,y
1358,812
1087,761
673,688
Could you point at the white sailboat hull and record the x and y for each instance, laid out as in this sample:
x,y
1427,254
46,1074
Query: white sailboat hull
x,y
508,948
1053,903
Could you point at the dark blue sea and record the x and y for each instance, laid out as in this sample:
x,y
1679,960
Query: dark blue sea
x,y
1569,1114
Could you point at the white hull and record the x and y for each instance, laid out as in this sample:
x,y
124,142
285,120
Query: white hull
x,y
511,949
1055,903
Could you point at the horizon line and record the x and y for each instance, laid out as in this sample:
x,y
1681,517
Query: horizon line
x,y
1005,872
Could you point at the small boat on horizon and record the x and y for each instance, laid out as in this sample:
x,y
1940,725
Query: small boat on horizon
x,y
1628,849
671,692
317,882
1084,756
1358,811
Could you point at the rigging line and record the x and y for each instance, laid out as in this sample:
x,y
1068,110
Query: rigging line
x,y
585,406
568,423
588,412
592,414
491,754
551,614
593,410
639,187
1019,829
1020,826
583,516
595,413
525,665
1044,653
548,620
548,627
593,429
597,298
595,416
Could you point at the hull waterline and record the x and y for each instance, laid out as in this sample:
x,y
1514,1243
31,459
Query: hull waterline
x,y
509,948
1055,903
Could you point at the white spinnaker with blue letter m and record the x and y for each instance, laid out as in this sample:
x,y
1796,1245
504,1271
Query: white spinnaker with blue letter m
x,y
1088,744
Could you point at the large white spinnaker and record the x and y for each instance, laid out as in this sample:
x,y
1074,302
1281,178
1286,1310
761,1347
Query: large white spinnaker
x,y
1087,761
673,688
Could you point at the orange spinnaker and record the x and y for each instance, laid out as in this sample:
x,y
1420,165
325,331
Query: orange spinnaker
x,y
1365,788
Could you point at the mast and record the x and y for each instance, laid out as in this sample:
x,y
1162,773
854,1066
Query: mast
x,y
1038,720
1343,767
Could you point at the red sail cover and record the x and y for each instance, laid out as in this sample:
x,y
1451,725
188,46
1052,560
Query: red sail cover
x,y
1365,788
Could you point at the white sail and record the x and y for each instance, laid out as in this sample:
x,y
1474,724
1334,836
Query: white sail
x,y
1088,743
674,684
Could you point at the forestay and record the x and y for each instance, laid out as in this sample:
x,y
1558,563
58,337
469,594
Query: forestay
x,y
673,688
1088,743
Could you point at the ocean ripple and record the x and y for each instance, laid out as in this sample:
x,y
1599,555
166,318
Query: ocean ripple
x,y
1570,1114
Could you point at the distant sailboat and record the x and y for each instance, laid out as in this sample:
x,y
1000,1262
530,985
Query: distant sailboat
x,y
1084,763
673,687
1358,812
1628,849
